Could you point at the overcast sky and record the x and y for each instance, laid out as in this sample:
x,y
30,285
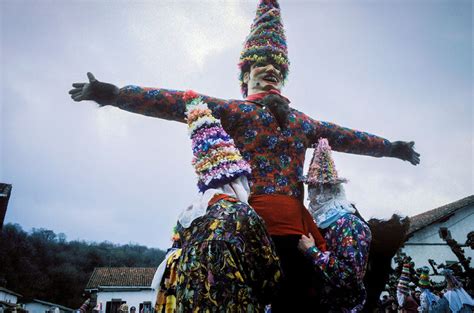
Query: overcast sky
x,y
398,69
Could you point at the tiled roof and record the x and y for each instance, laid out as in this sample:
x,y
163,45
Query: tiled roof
x,y
121,277
424,219
10,292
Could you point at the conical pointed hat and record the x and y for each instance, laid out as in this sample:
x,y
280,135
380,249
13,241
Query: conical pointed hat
x,y
322,169
217,161
424,280
266,42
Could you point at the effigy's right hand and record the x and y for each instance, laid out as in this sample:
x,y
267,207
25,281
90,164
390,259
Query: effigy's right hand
x,y
102,93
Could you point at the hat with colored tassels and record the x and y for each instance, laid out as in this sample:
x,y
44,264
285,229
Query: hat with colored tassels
x,y
424,281
322,169
217,161
451,280
403,283
266,42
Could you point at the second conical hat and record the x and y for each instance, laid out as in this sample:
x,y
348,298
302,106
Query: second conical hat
x,y
322,169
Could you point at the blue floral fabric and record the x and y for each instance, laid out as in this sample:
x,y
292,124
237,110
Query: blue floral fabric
x,y
344,263
276,155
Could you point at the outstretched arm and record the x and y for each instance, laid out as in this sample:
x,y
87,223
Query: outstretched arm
x,y
162,103
348,140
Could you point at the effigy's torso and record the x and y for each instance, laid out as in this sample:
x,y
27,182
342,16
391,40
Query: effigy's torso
x,y
275,154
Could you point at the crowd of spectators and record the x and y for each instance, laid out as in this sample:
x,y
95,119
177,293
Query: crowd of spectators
x,y
411,289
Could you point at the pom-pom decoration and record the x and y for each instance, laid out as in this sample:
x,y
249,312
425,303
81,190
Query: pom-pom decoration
x,y
424,281
322,169
403,283
217,161
266,42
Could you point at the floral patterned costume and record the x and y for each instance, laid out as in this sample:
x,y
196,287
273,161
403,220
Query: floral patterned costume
x,y
166,297
276,155
344,264
227,261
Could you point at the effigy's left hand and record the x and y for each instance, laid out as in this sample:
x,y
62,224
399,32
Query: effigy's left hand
x,y
405,151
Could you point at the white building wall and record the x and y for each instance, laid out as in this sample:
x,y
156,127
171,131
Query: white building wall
x,y
34,307
460,224
132,298
8,297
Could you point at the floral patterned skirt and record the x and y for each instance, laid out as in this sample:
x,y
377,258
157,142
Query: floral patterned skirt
x,y
227,263
166,298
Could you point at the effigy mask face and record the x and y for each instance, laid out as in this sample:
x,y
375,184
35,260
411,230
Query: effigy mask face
x,y
263,77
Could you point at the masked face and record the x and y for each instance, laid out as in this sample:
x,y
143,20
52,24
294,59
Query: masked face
x,y
319,195
241,188
313,197
263,77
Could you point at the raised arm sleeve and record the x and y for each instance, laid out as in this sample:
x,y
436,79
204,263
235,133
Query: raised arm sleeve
x,y
161,103
344,265
348,140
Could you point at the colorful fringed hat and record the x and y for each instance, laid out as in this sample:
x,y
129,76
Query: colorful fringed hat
x,y
424,281
451,280
266,42
322,169
217,160
403,283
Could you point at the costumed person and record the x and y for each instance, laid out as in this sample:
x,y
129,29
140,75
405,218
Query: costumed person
x,y
227,261
347,235
427,298
272,137
166,278
416,295
405,300
85,307
455,298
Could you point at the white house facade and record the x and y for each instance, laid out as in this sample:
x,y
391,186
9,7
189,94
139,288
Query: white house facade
x,y
8,296
8,299
424,240
33,307
110,287
140,298
40,306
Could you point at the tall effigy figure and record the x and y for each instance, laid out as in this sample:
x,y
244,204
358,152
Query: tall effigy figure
x,y
272,137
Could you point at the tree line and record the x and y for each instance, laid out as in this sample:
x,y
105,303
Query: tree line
x,y
43,265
